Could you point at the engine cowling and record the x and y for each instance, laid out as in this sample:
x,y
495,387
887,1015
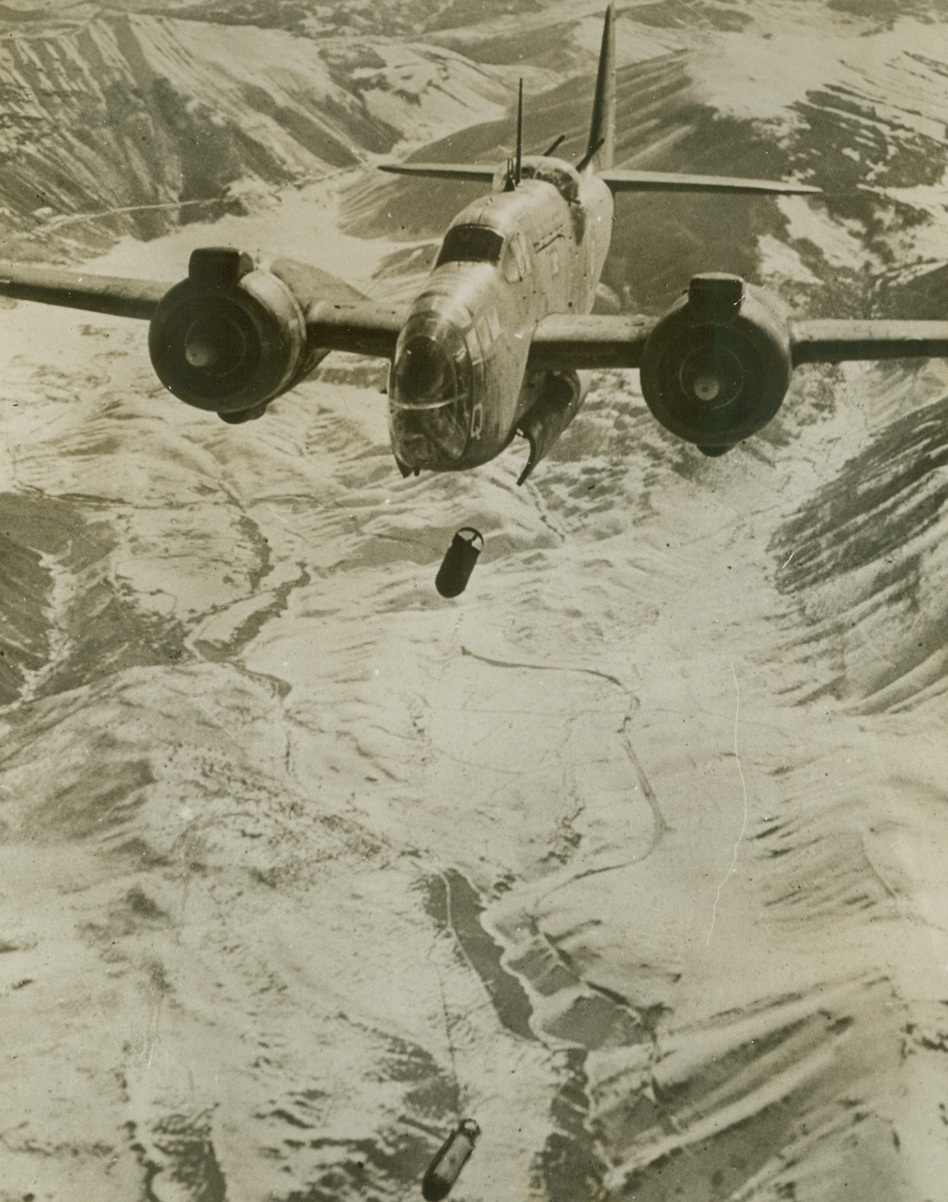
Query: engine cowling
x,y
716,367
229,338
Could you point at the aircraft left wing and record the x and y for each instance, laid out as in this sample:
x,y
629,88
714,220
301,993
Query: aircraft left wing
x,y
98,294
337,316
234,334
362,329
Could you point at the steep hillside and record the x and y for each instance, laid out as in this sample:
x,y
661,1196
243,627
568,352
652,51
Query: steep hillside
x,y
866,560
133,124
858,112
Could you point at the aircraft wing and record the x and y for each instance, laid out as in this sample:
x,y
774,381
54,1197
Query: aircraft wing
x,y
669,181
564,341
75,290
363,329
337,317
833,341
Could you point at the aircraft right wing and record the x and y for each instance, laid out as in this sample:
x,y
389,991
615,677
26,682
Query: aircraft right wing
x,y
566,342
716,367
836,341
563,342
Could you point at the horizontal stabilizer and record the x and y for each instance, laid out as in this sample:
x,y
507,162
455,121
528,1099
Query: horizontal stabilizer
x,y
670,181
75,290
475,172
835,341
619,180
565,342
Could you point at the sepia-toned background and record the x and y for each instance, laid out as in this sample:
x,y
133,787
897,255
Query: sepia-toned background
x,y
635,852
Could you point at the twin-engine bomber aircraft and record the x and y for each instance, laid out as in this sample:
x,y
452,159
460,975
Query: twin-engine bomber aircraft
x,y
496,341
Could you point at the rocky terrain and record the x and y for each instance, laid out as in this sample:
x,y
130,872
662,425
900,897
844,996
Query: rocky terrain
x,y
633,852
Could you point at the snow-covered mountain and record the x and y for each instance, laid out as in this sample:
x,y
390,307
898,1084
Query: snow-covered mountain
x,y
632,852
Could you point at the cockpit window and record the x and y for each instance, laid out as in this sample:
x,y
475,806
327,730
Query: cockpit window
x,y
563,177
471,244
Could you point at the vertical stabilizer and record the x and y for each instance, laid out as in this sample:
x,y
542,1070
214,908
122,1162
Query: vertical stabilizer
x,y
518,159
602,131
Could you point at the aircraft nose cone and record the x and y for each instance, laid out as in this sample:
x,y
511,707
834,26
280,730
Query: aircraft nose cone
x,y
422,369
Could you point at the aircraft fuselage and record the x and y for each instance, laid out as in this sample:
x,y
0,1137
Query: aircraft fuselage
x,y
459,383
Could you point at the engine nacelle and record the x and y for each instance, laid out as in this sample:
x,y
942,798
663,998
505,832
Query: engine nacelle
x,y
716,367
229,338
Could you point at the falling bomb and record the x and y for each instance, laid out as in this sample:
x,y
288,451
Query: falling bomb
x,y
450,1158
459,561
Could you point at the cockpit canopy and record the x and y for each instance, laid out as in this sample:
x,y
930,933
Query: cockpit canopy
x,y
562,175
471,244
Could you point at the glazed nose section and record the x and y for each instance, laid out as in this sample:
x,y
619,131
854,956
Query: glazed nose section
x,y
423,374
430,401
